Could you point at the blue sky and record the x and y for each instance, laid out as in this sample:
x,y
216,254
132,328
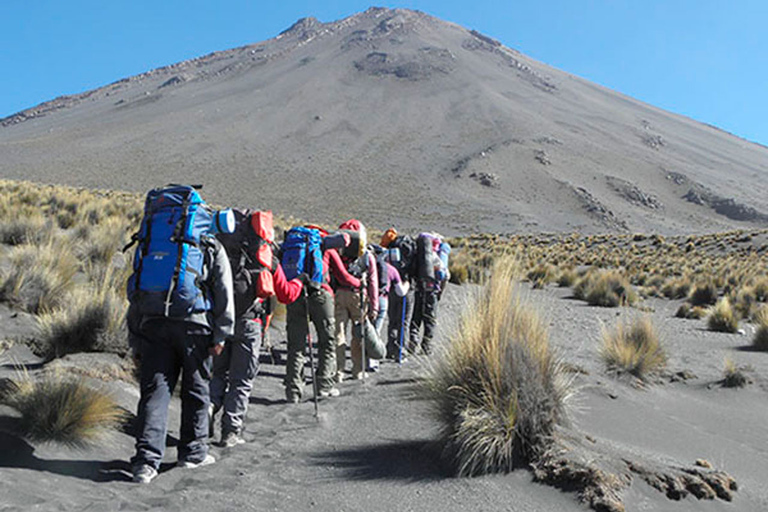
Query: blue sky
x,y
705,59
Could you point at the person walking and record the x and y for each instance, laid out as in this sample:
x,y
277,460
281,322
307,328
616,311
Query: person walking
x,y
315,305
257,276
181,312
354,302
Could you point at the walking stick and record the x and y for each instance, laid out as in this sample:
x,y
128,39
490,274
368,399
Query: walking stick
x,y
363,319
402,330
311,357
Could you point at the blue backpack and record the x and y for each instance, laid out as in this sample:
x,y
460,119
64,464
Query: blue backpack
x,y
302,252
174,236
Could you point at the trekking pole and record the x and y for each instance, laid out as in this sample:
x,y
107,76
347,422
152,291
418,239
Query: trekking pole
x,y
311,357
402,330
362,321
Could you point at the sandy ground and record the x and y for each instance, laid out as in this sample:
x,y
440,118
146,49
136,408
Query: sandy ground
x,y
371,448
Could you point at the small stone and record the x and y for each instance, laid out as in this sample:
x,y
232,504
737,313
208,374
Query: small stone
x,y
703,463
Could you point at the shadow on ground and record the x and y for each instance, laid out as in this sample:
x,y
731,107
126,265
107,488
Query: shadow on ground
x,y
411,461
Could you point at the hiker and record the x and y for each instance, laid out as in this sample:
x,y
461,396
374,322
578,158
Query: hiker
x,y
302,256
354,302
257,277
181,312
390,284
431,275
400,310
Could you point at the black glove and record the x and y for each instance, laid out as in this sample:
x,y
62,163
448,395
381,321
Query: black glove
x,y
304,278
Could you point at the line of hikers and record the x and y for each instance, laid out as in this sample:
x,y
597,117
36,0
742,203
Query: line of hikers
x,y
202,293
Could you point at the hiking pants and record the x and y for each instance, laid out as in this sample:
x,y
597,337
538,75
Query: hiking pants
x,y
319,305
233,373
424,312
348,313
170,348
383,305
396,324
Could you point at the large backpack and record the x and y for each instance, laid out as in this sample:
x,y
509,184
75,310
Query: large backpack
x,y
407,252
425,257
302,253
381,266
173,239
251,256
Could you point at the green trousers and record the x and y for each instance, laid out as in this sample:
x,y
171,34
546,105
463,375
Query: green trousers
x,y
318,307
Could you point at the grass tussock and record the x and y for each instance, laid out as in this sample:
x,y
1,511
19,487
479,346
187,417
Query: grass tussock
x,y
607,288
62,409
635,349
499,389
40,277
734,376
93,321
723,318
760,339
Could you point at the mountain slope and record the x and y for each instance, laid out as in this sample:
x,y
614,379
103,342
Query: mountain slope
x,y
394,116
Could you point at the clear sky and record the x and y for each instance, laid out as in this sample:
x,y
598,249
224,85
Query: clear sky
x,y
707,59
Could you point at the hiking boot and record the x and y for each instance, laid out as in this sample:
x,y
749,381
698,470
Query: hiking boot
x,y
330,392
339,377
360,375
144,473
207,461
231,439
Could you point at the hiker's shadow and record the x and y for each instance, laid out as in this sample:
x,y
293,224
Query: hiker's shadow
x,y
410,461
16,452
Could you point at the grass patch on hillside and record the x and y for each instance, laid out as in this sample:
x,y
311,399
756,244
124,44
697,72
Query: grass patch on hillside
x,y
634,348
498,390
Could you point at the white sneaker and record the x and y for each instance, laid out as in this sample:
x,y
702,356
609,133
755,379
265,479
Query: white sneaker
x,y
207,461
330,392
144,473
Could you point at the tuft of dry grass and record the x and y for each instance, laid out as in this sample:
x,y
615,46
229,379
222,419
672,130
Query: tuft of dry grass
x,y
40,276
498,390
635,349
734,376
703,294
93,321
760,340
62,409
607,289
723,318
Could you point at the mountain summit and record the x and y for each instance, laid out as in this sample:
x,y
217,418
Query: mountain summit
x,y
397,117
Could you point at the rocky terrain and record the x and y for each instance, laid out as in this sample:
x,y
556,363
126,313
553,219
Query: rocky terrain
x,y
400,118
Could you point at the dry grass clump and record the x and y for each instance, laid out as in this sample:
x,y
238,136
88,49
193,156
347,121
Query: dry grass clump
x,y
703,294
734,376
691,312
760,340
498,390
567,277
56,408
634,349
25,228
40,276
677,288
93,321
723,318
607,288
541,275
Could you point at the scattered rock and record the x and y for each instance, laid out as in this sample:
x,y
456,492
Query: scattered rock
x,y
420,65
541,156
703,463
653,141
633,194
594,207
486,179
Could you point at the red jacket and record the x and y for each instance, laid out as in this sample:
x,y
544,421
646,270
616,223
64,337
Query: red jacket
x,y
332,264
286,291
